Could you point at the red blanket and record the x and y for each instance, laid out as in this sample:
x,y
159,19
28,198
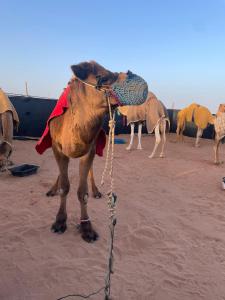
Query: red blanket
x,y
45,141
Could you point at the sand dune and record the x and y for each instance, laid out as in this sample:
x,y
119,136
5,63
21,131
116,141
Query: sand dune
x,y
170,234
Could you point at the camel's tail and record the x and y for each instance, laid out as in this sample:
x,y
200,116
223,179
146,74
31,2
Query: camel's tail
x,y
164,123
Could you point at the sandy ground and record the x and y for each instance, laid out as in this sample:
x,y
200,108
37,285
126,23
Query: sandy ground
x,y
170,235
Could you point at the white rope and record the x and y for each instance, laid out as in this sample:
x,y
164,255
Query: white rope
x,y
111,196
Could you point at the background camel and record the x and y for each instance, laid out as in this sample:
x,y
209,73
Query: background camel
x,y
219,125
197,114
155,114
8,119
74,135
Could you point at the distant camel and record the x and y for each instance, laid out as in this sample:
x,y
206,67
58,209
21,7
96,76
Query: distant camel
x,y
197,114
155,114
74,135
219,124
8,119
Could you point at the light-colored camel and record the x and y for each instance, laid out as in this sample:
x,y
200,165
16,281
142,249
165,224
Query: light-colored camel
x,y
155,114
197,114
8,119
74,135
219,125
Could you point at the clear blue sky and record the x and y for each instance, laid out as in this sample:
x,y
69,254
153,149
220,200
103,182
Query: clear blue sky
x,y
177,46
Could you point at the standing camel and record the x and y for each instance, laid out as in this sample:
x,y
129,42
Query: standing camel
x,y
197,114
219,125
8,119
155,114
74,135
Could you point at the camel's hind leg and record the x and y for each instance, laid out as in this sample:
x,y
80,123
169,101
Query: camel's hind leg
x,y
198,136
163,138
87,232
131,136
216,151
179,131
59,225
139,147
157,141
95,191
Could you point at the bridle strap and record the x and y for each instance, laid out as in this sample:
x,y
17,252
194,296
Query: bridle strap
x,y
102,87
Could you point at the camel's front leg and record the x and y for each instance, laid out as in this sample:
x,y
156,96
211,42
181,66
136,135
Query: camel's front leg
x,y
216,151
157,141
139,147
95,191
198,136
163,138
87,232
6,137
59,225
131,136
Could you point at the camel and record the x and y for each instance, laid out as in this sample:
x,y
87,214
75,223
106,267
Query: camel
x,y
197,114
219,125
74,135
8,120
155,114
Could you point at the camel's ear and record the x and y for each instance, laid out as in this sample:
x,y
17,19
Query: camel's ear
x,y
82,70
95,71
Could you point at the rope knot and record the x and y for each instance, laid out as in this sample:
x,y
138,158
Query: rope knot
x,y
112,124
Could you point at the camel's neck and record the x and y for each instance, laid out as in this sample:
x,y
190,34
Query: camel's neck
x,y
88,107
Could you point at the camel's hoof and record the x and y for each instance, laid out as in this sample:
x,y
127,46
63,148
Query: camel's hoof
x,y
128,148
197,146
151,156
217,163
97,195
162,155
87,232
59,227
51,193
139,148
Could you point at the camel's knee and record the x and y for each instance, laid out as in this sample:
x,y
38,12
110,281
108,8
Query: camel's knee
x,y
64,188
158,140
5,149
82,194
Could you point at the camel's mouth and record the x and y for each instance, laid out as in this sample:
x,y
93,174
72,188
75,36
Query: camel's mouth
x,y
131,91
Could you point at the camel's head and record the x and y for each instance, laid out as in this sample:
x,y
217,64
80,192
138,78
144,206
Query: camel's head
x,y
125,88
221,109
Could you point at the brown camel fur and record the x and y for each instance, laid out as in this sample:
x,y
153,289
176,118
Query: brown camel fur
x,y
74,136
6,137
8,119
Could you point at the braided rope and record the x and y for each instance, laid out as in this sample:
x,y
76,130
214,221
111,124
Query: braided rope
x,y
111,196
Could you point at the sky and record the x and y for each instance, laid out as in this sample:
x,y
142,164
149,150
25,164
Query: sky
x,y
177,46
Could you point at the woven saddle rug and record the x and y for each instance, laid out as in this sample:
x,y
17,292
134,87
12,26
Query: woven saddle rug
x,y
62,105
219,124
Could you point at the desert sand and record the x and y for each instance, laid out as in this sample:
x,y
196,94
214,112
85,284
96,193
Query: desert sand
x,y
170,232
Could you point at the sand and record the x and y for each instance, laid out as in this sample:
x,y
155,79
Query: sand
x,y
170,234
